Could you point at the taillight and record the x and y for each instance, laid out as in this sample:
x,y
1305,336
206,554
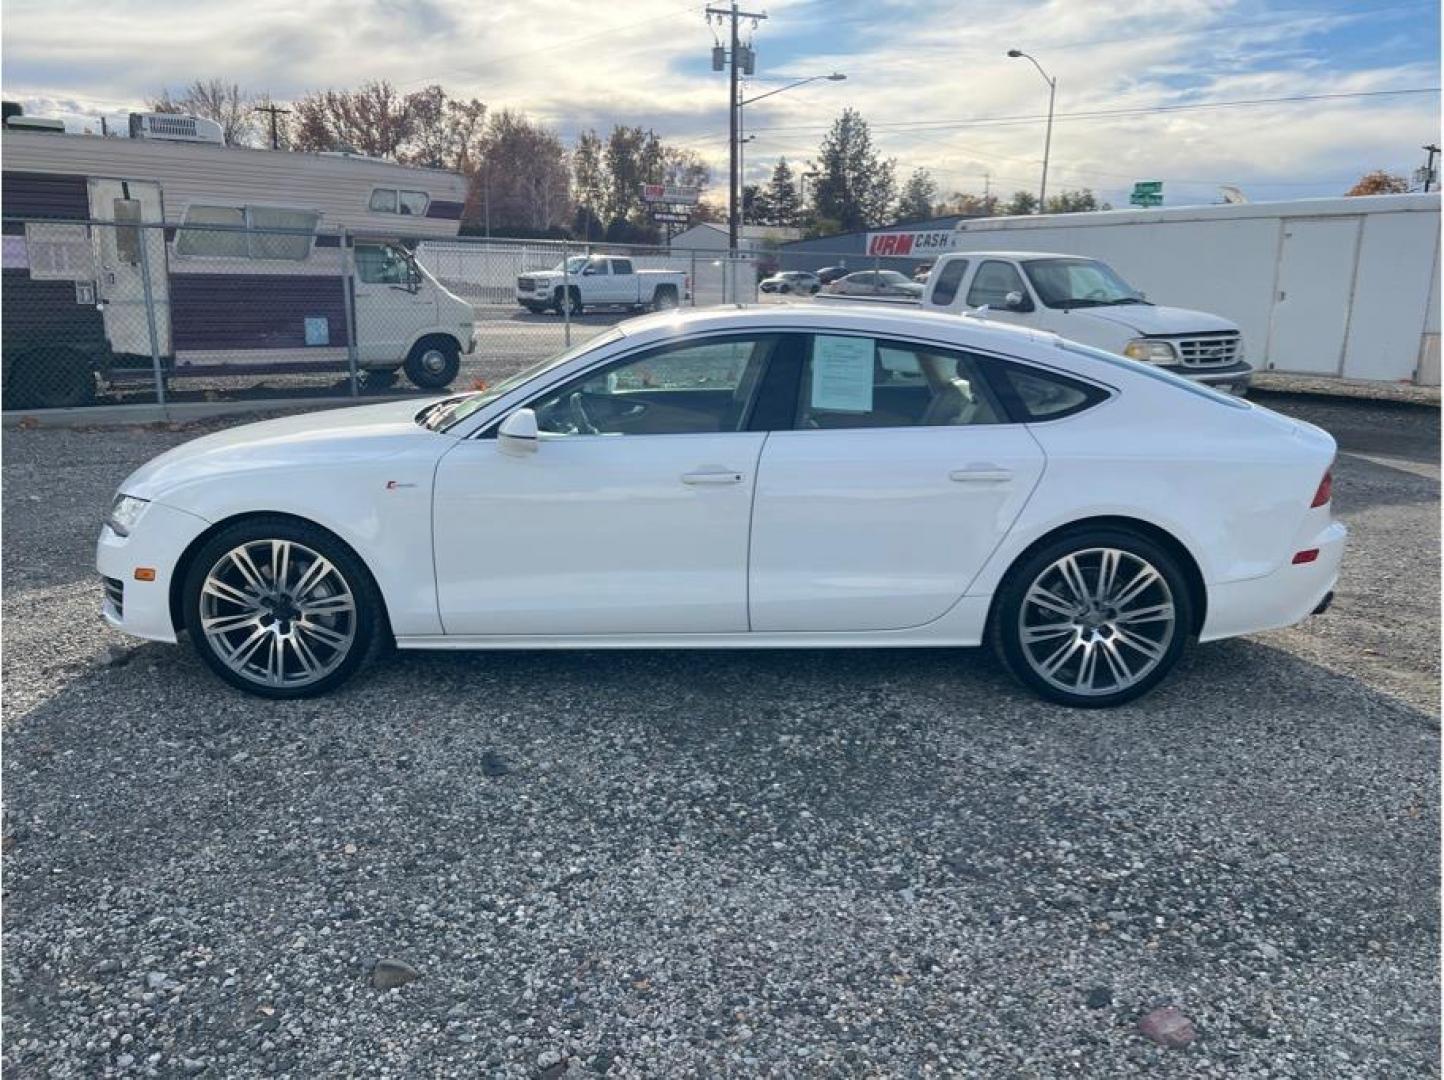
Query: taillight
x,y
1326,490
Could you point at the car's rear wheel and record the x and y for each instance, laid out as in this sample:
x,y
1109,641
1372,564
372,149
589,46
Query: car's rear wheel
x,y
282,608
1095,618
665,298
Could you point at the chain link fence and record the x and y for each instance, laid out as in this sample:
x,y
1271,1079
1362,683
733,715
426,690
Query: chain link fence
x,y
133,312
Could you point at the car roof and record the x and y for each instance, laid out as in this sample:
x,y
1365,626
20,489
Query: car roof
x,y
1017,256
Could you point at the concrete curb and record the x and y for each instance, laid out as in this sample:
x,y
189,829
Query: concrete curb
x,y
181,412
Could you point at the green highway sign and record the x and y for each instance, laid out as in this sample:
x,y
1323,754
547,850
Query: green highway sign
x,y
1147,193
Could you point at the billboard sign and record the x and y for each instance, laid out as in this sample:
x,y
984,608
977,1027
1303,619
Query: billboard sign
x,y
916,244
671,193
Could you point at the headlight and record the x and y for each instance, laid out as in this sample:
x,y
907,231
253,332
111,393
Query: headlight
x,y
1150,351
125,513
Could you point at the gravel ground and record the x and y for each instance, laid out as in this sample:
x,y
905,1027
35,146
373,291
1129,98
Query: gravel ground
x,y
888,863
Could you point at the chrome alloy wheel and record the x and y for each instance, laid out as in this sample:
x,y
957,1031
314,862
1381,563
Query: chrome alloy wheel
x,y
277,613
1096,621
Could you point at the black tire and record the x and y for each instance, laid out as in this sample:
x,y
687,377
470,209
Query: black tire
x,y
574,295
784,288
433,363
50,378
665,298
377,379
535,309
372,632
1006,629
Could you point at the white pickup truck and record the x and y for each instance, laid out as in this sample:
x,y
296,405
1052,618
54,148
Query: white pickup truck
x,y
600,281
1085,300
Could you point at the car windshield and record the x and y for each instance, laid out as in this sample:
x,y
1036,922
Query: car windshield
x,y
575,265
443,414
1069,283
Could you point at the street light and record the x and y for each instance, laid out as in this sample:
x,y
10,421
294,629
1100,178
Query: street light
x,y
836,76
1048,138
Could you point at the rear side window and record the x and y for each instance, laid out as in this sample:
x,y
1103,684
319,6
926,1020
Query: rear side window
x,y
949,278
1046,395
621,266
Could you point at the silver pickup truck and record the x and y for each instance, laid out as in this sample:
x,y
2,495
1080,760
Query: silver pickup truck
x,y
600,281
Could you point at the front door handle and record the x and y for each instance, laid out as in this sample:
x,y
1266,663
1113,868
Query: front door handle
x,y
981,474
712,476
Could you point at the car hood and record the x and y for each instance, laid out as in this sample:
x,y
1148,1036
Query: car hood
x,y
286,445
1152,320
542,274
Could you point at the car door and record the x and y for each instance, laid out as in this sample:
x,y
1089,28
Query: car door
x,y
991,285
625,283
631,517
392,306
899,478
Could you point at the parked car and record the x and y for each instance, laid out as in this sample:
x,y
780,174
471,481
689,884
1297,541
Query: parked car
x,y
804,282
876,283
828,274
1087,301
850,476
601,281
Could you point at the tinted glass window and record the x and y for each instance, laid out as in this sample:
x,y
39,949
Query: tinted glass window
x,y
700,386
621,266
949,278
1046,395
992,284
596,268
413,203
861,382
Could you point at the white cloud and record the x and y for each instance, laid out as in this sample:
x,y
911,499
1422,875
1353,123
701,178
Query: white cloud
x,y
579,63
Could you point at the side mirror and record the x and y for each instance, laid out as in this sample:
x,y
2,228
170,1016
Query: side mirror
x,y
518,433
1016,301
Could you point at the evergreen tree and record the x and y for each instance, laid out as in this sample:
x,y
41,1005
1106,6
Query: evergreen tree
x,y
783,201
916,201
1023,202
855,187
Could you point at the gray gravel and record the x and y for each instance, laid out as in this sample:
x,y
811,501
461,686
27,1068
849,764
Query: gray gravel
x,y
888,863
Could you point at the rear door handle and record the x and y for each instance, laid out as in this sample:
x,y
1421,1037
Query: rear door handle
x,y
981,474
712,476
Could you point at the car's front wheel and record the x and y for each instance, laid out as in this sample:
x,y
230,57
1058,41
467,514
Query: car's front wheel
x,y
282,608
1093,619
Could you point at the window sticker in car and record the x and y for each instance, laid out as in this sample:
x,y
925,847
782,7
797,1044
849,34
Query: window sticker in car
x,y
842,374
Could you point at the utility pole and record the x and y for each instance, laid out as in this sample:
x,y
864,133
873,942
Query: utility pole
x,y
987,194
1432,150
274,110
733,199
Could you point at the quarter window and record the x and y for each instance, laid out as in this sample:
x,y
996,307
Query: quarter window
x,y
1046,395
992,284
695,387
861,382
949,278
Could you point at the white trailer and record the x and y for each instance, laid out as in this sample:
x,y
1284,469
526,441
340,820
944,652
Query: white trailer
x,y
1345,287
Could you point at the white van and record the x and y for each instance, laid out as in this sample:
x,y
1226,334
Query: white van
x,y
1086,301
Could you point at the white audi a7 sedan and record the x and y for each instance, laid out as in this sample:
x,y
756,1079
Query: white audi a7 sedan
x,y
756,477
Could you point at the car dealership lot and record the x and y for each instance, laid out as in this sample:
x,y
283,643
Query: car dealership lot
x,y
871,863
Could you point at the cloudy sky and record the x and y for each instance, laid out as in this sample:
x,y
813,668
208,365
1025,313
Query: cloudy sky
x,y
932,78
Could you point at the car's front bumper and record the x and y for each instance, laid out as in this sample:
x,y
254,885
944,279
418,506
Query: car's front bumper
x,y
1288,595
1235,377
157,542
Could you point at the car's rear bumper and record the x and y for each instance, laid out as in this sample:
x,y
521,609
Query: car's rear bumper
x,y
1288,595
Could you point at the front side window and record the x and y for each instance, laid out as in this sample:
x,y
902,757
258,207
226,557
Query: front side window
x,y
596,268
992,284
382,264
862,382
949,278
688,388
228,241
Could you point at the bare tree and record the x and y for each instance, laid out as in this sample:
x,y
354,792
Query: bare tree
x,y
215,99
523,174
1379,182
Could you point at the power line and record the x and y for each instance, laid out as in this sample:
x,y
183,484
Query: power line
x,y
984,121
